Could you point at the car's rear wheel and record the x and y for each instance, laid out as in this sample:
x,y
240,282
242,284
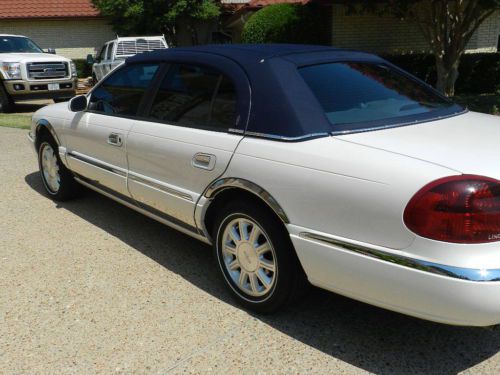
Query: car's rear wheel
x,y
57,180
256,257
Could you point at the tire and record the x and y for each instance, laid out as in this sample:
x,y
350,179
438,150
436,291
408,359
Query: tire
x,y
248,274
6,102
58,181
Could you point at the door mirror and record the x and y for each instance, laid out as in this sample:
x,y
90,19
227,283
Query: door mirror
x,y
78,103
90,60
52,51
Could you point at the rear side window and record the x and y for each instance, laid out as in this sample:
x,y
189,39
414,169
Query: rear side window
x,y
121,93
109,53
193,96
356,95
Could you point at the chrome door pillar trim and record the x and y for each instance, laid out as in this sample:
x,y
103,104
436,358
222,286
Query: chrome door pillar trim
x,y
226,183
468,274
160,186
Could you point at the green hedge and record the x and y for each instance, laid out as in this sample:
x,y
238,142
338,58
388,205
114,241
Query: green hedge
x,y
82,68
479,73
284,23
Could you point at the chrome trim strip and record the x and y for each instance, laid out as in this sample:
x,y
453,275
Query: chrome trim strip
x,y
30,137
157,185
469,274
97,163
282,138
231,182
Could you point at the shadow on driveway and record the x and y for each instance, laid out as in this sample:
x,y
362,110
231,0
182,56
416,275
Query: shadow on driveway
x,y
367,337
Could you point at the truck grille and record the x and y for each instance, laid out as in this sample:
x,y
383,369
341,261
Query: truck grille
x,y
47,70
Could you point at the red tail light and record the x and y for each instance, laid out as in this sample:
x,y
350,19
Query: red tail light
x,y
460,209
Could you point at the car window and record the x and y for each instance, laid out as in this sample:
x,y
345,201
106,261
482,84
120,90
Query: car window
x,y
193,96
109,52
102,53
18,44
122,92
356,93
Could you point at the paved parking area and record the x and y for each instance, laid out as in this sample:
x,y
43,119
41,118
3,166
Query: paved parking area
x,y
90,286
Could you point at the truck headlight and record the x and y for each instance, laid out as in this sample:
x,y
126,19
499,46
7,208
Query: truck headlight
x,y
11,70
73,69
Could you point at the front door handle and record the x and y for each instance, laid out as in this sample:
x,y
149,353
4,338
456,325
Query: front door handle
x,y
115,139
204,161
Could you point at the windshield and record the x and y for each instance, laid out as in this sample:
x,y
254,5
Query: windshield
x,y
359,95
10,44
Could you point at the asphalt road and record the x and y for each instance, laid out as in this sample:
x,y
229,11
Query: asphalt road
x,y
90,286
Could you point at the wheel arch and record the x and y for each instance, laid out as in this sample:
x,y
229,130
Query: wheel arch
x,y
227,189
42,126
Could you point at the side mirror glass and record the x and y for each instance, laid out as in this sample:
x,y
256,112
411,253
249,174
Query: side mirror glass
x,y
78,103
51,51
90,60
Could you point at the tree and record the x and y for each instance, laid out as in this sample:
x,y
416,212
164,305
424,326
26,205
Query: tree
x,y
157,16
447,26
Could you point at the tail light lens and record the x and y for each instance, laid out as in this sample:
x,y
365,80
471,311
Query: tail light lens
x,y
460,209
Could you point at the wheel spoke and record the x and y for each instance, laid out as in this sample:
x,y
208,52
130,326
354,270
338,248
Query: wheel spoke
x,y
243,226
234,265
254,235
230,250
266,264
262,249
264,279
242,279
254,284
235,236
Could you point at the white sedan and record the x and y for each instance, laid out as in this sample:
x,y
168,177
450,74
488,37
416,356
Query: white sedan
x,y
300,164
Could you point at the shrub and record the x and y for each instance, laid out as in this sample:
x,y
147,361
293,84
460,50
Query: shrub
x,y
479,73
284,23
83,69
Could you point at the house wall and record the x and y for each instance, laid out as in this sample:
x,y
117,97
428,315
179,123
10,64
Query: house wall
x,y
72,38
387,34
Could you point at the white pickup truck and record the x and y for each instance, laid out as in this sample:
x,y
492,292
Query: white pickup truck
x,y
114,52
27,72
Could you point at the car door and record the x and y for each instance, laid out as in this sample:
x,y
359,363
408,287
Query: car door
x,y
185,143
96,138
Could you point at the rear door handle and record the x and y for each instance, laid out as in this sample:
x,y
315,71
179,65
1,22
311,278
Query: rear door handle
x,y
204,161
115,139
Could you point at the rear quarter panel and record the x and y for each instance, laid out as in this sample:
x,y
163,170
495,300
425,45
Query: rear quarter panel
x,y
337,187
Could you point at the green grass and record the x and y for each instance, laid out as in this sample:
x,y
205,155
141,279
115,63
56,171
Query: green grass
x,y
15,121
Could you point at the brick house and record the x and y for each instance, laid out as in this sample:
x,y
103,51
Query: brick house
x,y
73,27
379,34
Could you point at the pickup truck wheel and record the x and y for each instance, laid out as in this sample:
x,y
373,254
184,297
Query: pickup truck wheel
x,y
57,179
6,102
256,257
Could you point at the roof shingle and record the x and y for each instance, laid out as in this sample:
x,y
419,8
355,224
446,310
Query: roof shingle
x,y
26,9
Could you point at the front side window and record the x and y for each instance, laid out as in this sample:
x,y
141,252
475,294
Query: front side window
x,y
121,93
357,95
109,53
9,44
193,96
102,53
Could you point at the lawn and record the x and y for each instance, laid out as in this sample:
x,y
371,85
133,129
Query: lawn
x,y
15,121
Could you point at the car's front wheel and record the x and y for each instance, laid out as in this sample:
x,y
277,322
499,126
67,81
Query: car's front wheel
x,y
57,180
256,257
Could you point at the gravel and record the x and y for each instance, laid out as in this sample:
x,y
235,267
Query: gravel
x,y
90,286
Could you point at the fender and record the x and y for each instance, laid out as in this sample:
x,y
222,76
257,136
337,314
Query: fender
x,y
61,149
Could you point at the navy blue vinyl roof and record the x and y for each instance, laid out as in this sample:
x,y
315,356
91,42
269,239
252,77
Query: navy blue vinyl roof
x,y
273,99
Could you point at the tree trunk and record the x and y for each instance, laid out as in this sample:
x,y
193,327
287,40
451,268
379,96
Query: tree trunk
x,y
447,74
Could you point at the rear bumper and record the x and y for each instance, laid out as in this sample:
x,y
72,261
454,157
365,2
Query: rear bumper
x,y
438,293
28,90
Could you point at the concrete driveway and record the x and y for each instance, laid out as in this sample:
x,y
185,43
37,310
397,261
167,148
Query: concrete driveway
x,y
90,286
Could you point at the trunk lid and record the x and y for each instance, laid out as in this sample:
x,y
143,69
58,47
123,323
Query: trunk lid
x,y
467,143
